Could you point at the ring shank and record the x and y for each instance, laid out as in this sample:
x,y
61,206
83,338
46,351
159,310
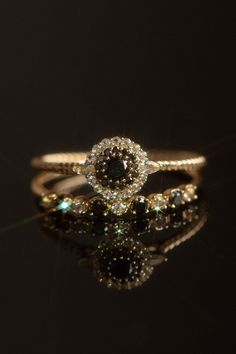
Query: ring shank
x,y
160,160
67,185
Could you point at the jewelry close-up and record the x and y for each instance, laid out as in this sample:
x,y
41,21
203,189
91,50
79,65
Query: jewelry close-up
x,y
113,211
117,169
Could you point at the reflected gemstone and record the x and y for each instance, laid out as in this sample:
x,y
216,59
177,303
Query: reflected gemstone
x,y
98,208
99,228
123,263
177,197
176,219
140,225
121,268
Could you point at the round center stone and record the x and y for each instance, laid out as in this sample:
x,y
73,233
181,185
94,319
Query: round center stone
x,y
116,168
121,269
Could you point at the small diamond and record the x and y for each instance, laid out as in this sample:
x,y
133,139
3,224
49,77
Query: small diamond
x,y
189,193
94,149
78,170
190,213
158,202
120,227
91,158
48,201
116,140
119,208
90,169
64,203
105,142
161,222
79,206
151,166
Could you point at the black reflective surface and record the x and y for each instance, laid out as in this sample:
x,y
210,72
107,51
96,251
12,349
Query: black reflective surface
x,y
71,74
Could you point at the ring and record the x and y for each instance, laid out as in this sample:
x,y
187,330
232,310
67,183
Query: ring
x,y
55,221
59,197
117,168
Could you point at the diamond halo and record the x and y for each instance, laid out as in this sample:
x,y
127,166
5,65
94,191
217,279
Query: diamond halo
x,y
116,168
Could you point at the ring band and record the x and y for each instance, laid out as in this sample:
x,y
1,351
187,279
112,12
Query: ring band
x,y
117,168
56,199
164,160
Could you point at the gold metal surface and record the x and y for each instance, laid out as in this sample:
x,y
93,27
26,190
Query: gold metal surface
x,y
74,162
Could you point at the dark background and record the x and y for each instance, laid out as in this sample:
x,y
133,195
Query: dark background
x,y
71,73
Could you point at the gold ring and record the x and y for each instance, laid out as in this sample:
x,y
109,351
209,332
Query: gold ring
x,y
117,168
59,196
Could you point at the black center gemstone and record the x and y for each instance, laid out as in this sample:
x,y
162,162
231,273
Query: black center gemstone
x,y
120,263
140,225
98,228
121,268
116,168
176,219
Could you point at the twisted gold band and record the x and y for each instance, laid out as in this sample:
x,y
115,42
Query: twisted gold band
x,y
74,162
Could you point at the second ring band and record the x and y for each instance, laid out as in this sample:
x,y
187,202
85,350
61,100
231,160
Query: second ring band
x,y
59,197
